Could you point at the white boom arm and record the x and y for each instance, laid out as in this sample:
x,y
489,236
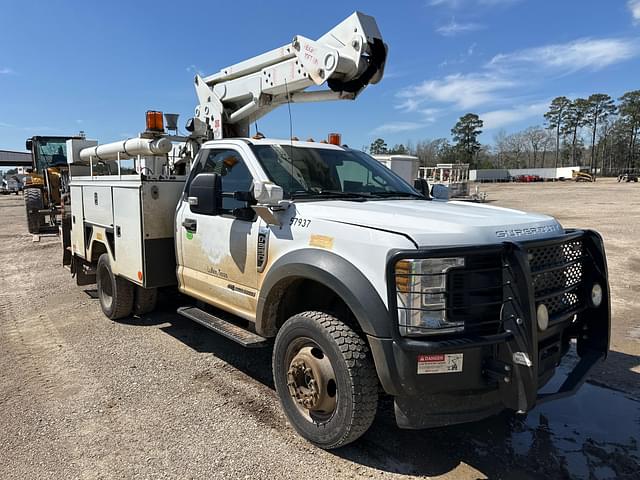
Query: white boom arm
x,y
349,57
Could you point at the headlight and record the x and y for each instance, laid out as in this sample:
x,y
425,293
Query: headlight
x,y
422,296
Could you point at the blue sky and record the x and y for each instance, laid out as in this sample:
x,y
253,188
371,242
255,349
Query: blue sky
x,y
98,66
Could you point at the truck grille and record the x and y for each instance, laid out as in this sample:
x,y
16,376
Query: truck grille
x,y
557,273
475,294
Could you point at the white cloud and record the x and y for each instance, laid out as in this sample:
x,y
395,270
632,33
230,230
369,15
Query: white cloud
x,y
634,6
445,3
591,54
454,28
397,127
495,3
430,114
6,71
495,86
194,69
459,3
464,91
502,118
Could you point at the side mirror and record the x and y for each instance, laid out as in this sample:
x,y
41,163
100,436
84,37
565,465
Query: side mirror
x,y
421,185
440,192
267,193
28,144
205,194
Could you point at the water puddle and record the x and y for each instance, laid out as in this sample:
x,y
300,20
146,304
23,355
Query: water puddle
x,y
592,435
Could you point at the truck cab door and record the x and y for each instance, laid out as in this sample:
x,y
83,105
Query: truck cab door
x,y
217,252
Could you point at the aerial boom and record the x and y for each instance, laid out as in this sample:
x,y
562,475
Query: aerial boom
x,y
348,58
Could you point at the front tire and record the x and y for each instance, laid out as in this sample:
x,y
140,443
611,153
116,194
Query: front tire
x,y
325,379
115,293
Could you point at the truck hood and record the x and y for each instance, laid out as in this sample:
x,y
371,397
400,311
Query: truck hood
x,y
436,223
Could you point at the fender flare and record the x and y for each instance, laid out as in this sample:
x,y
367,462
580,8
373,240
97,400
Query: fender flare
x,y
334,272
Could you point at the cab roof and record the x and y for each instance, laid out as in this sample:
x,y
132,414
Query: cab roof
x,y
277,141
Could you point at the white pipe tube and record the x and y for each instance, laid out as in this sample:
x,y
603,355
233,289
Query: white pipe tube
x,y
127,149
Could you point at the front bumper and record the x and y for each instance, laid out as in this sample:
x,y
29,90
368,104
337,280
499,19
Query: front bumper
x,y
491,379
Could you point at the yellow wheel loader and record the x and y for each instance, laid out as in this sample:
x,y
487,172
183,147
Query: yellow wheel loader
x,y
46,181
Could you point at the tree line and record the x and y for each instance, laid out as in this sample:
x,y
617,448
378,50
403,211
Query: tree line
x,y
596,132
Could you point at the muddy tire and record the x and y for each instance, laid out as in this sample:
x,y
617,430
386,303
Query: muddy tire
x,y
325,379
144,300
33,201
115,293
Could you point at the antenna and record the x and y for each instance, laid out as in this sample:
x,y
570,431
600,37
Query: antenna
x,y
286,87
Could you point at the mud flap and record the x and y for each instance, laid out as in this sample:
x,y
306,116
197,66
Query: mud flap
x,y
83,273
65,235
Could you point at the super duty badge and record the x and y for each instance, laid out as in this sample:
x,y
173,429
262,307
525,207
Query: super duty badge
x,y
527,231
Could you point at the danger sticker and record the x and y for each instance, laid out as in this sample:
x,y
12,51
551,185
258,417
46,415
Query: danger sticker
x,y
440,363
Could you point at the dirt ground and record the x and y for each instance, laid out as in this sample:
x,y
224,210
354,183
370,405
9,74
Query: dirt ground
x,y
162,397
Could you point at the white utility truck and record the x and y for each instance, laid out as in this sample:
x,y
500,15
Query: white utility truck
x,y
362,285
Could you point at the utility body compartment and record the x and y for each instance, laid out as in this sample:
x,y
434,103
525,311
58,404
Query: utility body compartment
x,y
134,218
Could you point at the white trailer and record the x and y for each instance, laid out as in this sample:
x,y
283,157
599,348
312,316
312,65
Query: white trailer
x,y
406,166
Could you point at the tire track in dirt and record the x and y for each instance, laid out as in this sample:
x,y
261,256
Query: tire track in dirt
x,y
46,387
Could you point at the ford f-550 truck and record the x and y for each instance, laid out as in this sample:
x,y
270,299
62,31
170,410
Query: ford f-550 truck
x,y
364,285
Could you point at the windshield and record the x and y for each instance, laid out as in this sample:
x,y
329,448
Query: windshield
x,y
323,172
50,153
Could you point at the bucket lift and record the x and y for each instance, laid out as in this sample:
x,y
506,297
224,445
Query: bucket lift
x,y
348,58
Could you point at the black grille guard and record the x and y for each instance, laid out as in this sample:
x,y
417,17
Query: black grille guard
x,y
517,381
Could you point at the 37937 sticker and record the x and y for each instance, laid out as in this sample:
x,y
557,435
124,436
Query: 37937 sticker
x,y
299,222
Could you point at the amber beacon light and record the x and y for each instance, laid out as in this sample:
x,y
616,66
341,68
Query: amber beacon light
x,y
155,122
335,138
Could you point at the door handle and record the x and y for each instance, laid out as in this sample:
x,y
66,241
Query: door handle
x,y
190,224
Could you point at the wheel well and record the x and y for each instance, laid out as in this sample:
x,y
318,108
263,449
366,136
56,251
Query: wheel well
x,y
295,295
97,249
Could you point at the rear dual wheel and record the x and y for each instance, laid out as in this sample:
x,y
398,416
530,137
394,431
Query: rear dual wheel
x,y
115,293
325,379
119,297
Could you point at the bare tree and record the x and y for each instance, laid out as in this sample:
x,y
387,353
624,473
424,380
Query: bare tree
x,y
510,149
534,138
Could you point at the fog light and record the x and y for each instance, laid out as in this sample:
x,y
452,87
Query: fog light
x,y
596,295
543,317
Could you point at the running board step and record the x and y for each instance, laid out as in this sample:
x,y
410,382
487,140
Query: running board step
x,y
225,328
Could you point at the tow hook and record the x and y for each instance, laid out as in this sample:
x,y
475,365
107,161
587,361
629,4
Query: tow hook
x,y
497,370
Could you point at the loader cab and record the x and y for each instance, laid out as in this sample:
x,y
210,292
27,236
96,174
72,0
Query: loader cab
x,y
48,152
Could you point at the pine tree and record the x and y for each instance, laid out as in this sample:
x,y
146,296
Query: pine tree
x,y
600,106
465,133
555,119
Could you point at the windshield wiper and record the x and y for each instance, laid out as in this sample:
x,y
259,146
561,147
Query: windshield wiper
x,y
398,194
331,194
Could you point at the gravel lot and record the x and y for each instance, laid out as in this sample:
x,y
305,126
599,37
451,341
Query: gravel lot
x,y
161,397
